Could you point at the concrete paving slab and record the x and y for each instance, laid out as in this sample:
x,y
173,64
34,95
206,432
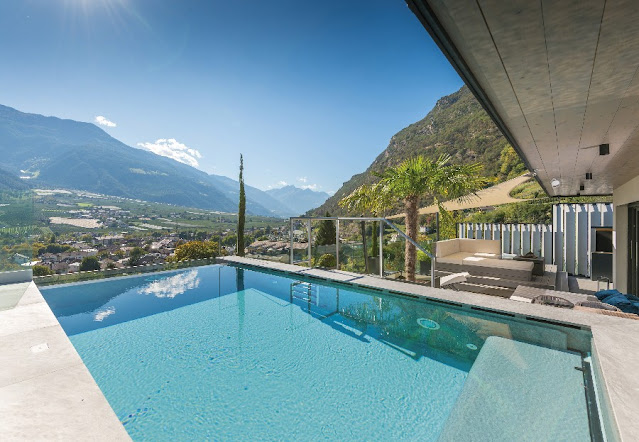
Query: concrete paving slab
x,y
25,318
63,405
23,355
10,294
31,295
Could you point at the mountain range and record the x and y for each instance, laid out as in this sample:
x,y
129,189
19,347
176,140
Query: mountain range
x,y
457,126
300,200
49,151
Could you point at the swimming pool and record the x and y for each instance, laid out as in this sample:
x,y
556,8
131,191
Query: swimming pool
x,y
226,353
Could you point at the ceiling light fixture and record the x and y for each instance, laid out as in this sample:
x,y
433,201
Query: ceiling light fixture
x,y
555,183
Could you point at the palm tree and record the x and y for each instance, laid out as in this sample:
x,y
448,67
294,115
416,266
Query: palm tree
x,y
419,176
368,199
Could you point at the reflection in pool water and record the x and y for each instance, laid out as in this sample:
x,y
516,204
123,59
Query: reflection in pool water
x,y
172,286
105,313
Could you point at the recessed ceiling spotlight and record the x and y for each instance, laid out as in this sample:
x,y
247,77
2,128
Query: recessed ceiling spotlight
x,y
555,183
588,175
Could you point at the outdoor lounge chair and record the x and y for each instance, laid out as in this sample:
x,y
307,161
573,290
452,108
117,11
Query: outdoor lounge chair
x,y
451,281
479,257
598,305
554,301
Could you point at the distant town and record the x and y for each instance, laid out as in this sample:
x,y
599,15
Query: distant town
x,y
71,231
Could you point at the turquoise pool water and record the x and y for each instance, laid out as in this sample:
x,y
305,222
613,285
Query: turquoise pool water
x,y
226,353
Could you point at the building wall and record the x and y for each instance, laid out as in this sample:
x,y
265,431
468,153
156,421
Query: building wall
x,y
621,197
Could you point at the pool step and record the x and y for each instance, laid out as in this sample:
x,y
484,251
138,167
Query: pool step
x,y
520,391
504,292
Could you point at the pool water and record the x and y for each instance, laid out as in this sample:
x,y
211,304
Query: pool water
x,y
226,353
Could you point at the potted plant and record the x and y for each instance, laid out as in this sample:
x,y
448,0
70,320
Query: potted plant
x,y
424,263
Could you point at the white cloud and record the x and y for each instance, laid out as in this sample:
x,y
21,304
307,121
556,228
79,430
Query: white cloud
x,y
277,185
310,186
102,121
302,179
171,148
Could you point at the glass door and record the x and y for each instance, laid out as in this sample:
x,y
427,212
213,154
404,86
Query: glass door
x,y
633,249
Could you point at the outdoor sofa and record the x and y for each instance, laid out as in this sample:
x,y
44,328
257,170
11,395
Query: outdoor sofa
x,y
479,257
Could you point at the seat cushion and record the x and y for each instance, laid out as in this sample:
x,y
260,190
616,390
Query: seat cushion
x,y
489,246
498,263
455,258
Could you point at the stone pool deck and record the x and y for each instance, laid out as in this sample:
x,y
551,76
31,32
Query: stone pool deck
x,y
46,392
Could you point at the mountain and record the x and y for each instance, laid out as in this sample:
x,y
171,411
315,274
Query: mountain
x,y
72,154
457,126
299,200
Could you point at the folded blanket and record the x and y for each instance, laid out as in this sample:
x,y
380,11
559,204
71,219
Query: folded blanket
x,y
621,301
601,294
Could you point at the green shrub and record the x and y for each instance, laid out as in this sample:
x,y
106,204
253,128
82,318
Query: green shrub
x,y
39,270
421,256
326,260
89,263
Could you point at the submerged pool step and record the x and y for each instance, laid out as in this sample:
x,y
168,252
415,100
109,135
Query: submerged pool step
x,y
519,391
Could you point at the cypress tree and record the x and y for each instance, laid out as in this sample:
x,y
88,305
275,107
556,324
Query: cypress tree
x,y
326,232
241,212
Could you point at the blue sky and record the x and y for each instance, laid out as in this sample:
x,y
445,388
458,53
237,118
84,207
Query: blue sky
x,y
309,92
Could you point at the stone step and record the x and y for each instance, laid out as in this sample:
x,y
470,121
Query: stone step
x,y
504,292
519,391
544,282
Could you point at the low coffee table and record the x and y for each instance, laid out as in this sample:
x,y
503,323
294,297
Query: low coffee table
x,y
538,269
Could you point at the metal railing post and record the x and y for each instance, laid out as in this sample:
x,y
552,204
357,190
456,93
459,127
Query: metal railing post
x,y
337,245
308,226
432,272
381,250
292,242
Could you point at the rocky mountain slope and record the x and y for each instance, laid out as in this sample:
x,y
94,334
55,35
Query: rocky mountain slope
x,y
457,126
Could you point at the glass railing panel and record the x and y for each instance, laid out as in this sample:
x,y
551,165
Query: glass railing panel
x,y
394,251
351,247
300,243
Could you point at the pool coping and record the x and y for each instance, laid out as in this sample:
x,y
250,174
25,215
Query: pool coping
x,y
46,391
615,341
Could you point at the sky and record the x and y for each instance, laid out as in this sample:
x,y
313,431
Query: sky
x,y
309,92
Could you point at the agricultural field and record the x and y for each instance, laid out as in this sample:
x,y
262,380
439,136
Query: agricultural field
x,y
59,211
